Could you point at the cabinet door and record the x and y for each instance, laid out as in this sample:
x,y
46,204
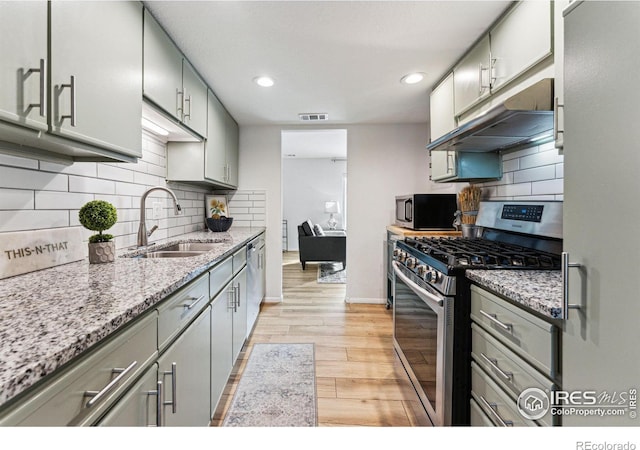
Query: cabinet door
x,y
96,73
233,151
240,313
195,101
184,370
162,68
443,164
599,352
215,159
139,407
221,343
521,40
471,77
23,46
442,114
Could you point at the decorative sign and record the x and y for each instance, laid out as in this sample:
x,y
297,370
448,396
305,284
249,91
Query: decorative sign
x,y
28,251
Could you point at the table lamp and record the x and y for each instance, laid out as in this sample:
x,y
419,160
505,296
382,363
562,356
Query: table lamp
x,y
332,207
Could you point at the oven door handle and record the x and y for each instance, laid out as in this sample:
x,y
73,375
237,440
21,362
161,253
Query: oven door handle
x,y
424,294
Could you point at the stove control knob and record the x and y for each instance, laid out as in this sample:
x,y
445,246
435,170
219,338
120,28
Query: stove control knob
x,y
410,262
431,276
421,269
396,251
402,256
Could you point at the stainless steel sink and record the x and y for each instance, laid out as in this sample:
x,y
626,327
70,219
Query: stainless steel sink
x,y
171,254
191,247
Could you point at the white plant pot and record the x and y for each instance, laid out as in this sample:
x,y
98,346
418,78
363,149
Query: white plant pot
x,y
102,252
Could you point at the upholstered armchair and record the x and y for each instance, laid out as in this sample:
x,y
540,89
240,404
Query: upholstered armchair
x,y
320,246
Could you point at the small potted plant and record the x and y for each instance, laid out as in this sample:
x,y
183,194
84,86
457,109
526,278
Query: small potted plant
x,y
99,215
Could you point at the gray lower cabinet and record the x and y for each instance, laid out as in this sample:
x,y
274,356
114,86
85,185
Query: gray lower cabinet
x,y
240,312
222,311
141,406
184,369
23,65
512,351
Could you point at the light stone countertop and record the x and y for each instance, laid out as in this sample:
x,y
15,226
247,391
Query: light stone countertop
x,y
539,290
51,316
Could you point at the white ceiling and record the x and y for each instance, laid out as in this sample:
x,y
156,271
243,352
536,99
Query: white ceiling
x,y
344,58
314,144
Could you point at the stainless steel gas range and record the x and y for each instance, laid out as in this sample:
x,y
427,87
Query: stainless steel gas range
x,y
432,333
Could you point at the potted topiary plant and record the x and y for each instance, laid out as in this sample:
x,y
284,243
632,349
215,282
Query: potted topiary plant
x,y
99,215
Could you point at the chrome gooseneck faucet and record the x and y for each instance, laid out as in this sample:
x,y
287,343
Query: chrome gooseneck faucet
x,y
142,229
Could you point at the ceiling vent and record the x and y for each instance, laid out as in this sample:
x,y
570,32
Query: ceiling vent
x,y
313,117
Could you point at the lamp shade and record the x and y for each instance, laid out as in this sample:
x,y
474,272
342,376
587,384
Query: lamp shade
x,y
332,207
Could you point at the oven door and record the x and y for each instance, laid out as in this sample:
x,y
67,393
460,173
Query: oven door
x,y
422,335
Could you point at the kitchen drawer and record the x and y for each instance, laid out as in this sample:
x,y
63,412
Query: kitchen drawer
x,y
239,260
478,417
520,374
501,405
530,337
181,308
61,400
219,276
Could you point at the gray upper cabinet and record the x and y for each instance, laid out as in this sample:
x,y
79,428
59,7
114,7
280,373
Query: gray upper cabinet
x,y
520,41
96,73
442,115
162,68
23,74
215,150
195,99
471,76
170,81
232,142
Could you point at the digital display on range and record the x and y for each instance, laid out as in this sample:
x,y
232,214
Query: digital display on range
x,y
526,213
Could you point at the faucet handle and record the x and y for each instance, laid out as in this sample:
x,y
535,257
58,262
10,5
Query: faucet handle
x,y
153,228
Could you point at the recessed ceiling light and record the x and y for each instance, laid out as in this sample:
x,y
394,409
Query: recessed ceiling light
x,y
264,81
412,78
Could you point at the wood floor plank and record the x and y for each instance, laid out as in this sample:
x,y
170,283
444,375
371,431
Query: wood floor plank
x,y
349,369
372,413
374,389
326,387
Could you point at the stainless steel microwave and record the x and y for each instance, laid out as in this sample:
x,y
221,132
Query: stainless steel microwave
x,y
426,211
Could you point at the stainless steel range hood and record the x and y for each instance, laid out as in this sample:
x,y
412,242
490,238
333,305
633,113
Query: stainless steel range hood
x,y
525,117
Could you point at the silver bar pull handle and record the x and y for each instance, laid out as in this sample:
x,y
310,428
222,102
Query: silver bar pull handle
x,y
194,300
492,407
450,157
493,318
556,121
238,293
96,396
565,265
494,364
42,70
481,85
180,103
174,387
235,299
231,299
159,402
72,87
187,100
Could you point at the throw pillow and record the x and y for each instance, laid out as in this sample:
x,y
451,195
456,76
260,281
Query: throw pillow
x,y
318,230
308,228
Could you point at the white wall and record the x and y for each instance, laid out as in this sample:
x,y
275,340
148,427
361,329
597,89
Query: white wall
x,y
261,170
307,184
383,161
39,194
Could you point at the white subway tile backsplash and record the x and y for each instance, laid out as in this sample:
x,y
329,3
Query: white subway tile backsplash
x,y
510,165
241,204
560,170
114,173
119,201
17,161
30,219
91,185
534,174
511,190
541,159
260,204
147,179
16,199
512,154
61,200
130,189
254,196
85,169
235,210
548,187
238,197
30,179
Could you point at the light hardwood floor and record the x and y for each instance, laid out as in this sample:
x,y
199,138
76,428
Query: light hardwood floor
x,y
360,380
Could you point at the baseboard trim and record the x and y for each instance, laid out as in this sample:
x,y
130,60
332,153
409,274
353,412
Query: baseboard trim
x,y
373,301
273,299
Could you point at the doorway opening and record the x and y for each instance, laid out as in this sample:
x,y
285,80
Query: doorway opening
x,y
314,191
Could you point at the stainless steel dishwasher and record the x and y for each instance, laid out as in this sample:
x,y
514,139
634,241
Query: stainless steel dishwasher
x,y
255,279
